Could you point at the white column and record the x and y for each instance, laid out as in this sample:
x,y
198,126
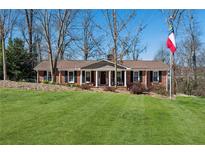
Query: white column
x,y
125,78
109,77
81,77
146,80
37,80
96,78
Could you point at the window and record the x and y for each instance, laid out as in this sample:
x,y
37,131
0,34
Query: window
x,y
71,77
49,76
87,76
155,76
136,76
119,76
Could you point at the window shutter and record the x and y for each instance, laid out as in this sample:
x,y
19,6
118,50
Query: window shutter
x,y
45,75
66,77
160,76
131,76
83,76
151,73
75,76
122,76
140,76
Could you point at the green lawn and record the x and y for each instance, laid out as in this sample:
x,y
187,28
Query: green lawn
x,y
30,117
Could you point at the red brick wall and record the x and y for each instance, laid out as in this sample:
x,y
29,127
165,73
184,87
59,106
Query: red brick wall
x,y
78,78
147,76
149,84
163,79
128,77
41,76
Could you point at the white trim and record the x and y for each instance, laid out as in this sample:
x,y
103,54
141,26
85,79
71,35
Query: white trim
x,y
37,78
86,77
73,81
125,78
96,78
81,77
146,74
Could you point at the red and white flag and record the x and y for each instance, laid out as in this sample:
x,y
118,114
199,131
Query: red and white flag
x,y
171,44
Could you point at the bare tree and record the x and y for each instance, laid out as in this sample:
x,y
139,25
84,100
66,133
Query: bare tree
x,y
134,46
55,25
7,22
116,27
29,15
190,47
162,54
87,40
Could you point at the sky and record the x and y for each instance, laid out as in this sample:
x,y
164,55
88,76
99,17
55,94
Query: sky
x,y
156,32
154,35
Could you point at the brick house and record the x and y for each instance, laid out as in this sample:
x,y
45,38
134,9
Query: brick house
x,y
101,72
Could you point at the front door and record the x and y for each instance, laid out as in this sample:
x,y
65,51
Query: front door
x,y
103,77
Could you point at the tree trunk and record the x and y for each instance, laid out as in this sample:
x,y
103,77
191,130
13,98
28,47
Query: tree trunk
x,y
4,57
29,19
51,65
194,69
85,56
115,45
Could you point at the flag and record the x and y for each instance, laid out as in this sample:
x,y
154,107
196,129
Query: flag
x,y
171,44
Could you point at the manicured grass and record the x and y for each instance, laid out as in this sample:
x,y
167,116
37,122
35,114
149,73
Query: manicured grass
x,y
31,117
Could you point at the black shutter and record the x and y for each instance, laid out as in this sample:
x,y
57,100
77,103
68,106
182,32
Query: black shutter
x,y
151,72
66,77
83,74
75,76
122,76
160,76
45,75
140,76
131,76
92,76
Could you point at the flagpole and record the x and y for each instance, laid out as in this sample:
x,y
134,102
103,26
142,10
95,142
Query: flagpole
x,y
170,78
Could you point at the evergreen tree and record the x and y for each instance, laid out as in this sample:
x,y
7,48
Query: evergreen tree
x,y
1,63
19,64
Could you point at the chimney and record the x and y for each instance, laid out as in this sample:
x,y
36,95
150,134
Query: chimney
x,y
110,57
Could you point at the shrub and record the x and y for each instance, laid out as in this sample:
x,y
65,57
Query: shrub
x,y
129,86
85,87
112,89
136,88
159,89
45,81
199,90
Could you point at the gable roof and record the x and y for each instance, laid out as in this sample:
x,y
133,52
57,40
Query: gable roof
x,y
145,64
105,64
93,64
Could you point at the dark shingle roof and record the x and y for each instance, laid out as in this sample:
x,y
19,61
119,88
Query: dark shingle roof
x,y
144,64
78,64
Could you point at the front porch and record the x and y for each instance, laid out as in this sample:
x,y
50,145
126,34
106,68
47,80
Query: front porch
x,y
99,78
